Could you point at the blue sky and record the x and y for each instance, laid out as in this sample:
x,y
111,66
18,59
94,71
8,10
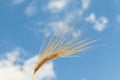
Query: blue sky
x,y
24,23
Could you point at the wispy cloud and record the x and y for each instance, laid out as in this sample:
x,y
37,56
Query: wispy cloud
x,y
56,28
16,2
31,9
99,23
85,4
60,27
70,16
72,11
77,33
57,5
10,66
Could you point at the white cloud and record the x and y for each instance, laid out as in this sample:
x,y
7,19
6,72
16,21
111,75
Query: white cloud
x,y
11,70
100,24
31,9
60,27
91,18
56,5
85,4
71,14
17,2
77,33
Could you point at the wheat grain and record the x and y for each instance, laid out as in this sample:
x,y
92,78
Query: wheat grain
x,y
59,47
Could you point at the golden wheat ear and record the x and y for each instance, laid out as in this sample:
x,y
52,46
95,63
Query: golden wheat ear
x,y
60,46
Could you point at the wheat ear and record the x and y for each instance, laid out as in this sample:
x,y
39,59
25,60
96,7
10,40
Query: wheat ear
x,y
59,47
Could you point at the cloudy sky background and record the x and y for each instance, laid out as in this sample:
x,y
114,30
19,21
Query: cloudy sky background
x,y
24,23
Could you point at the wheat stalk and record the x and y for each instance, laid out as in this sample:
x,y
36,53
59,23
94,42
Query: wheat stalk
x,y
59,47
